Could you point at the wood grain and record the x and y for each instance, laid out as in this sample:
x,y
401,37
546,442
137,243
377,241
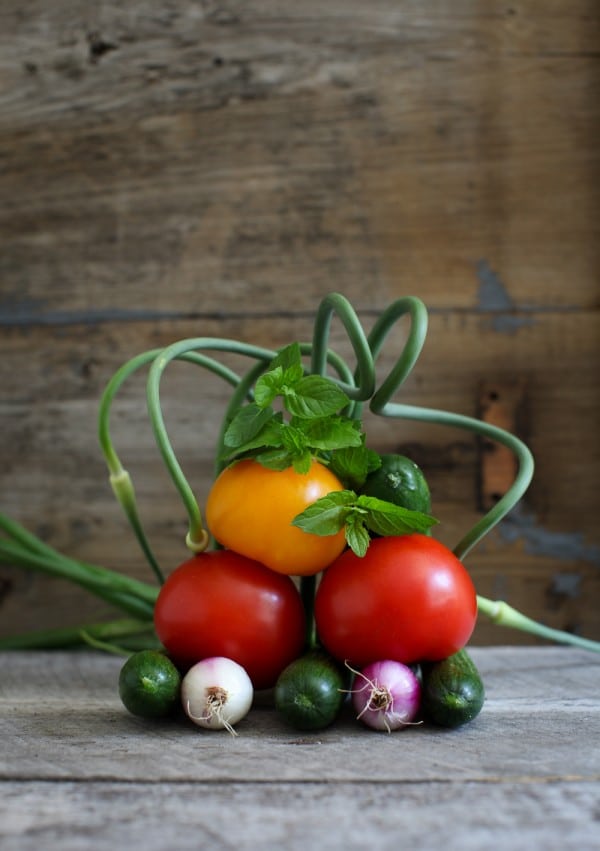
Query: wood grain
x,y
78,769
169,170
295,815
212,158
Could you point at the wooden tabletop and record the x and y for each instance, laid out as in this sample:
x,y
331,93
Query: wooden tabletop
x,y
77,771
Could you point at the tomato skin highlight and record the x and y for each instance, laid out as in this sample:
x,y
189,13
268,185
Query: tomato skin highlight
x,y
408,599
223,604
250,510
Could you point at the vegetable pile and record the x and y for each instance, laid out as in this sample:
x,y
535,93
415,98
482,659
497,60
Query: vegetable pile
x,y
316,572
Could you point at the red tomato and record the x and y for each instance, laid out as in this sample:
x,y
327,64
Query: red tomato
x,y
224,604
408,599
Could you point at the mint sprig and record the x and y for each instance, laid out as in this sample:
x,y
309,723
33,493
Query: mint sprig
x,y
314,397
352,464
359,515
309,425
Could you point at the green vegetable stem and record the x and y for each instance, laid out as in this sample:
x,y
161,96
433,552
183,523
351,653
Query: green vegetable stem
x,y
319,415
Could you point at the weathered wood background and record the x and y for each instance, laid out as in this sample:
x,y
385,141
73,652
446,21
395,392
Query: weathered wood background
x,y
173,169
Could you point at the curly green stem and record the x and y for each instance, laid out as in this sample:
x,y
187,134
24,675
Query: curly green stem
x,y
522,452
28,542
120,479
380,404
91,640
363,387
130,595
242,393
417,312
197,538
130,633
124,372
502,614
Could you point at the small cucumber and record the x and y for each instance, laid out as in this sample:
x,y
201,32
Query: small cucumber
x,y
149,684
453,691
310,692
400,481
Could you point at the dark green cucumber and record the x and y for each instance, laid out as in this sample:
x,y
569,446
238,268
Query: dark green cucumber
x,y
400,481
453,691
149,684
309,693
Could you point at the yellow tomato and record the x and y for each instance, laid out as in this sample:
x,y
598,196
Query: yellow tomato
x,y
250,510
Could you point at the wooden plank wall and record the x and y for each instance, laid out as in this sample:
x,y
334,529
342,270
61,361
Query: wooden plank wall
x,y
174,169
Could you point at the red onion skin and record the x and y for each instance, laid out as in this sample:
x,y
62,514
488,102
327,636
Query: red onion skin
x,y
386,695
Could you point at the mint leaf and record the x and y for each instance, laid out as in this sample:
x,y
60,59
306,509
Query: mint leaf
x,y
310,423
373,460
314,396
268,387
290,361
269,436
290,450
385,518
274,459
285,371
294,439
328,433
326,515
357,536
353,463
302,462
357,515
246,424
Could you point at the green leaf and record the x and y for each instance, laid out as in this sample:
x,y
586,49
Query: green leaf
x,y
315,396
385,518
268,387
270,436
373,460
289,359
327,515
327,433
313,427
302,462
247,423
294,439
275,459
357,536
357,515
352,464
282,457
285,371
